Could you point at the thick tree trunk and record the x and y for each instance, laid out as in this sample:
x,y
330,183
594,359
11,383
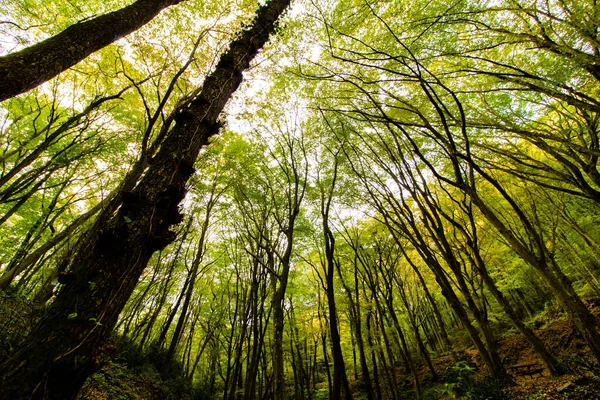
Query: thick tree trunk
x,y
23,70
66,346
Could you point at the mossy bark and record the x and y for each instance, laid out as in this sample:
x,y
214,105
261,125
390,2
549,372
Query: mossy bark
x,y
67,344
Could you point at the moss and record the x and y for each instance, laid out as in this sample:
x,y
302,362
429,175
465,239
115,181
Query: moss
x,y
17,316
132,373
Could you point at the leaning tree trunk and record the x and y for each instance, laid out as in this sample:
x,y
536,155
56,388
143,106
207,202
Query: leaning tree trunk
x,y
23,70
67,344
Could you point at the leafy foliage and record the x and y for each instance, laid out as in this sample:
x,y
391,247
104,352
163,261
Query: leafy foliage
x,y
456,144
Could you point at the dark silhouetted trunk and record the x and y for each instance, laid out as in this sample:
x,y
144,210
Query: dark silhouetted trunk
x,y
354,302
25,69
67,344
279,296
340,380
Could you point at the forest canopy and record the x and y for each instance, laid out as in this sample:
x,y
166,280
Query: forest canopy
x,y
299,199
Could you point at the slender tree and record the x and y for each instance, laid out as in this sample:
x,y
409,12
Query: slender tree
x,y
295,171
340,379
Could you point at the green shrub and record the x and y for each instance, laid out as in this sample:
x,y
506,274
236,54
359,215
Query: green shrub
x,y
581,365
133,373
460,382
489,388
17,316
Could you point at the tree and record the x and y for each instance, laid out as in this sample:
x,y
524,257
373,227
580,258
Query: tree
x,y
395,182
295,170
69,338
25,69
327,186
434,126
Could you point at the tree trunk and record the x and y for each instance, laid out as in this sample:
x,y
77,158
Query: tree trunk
x,y
127,319
561,286
193,276
66,345
434,306
412,318
340,380
25,69
539,347
278,298
356,316
364,367
278,325
387,370
373,356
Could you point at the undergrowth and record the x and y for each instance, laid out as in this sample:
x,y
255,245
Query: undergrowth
x,y
133,373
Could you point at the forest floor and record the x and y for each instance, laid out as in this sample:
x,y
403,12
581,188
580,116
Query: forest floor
x,y
461,375
561,338
559,335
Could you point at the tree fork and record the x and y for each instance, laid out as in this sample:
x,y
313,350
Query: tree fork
x,y
67,344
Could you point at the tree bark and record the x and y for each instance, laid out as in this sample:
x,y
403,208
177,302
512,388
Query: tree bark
x,y
561,286
340,380
25,69
354,302
66,345
295,194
